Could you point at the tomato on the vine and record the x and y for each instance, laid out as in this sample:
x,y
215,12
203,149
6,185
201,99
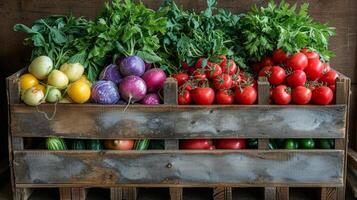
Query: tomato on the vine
x,y
236,80
296,78
224,97
181,78
203,95
314,70
281,95
327,67
195,144
301,95
213,70
199,74
312,55
276,75
329,77
297,61
223,62
223,81
280,56
264,71
199,63
231,68
322,95
184,97
230,144
246,96
185,65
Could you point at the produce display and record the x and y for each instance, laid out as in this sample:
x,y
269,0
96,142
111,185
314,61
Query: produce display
x,y
301,144
125,55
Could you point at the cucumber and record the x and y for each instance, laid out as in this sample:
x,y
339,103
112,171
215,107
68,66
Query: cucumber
x,y
78,145
56,144
94,145
142,144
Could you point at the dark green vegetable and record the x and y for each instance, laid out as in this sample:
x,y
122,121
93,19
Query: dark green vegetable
x,y
326,143
78,145
306,144
157,144
94,145
291,144
283,26
56,144
142,144
252,143
191,35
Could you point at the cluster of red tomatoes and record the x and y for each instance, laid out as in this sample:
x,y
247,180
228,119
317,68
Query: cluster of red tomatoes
x,y
206,144
209,82
300,78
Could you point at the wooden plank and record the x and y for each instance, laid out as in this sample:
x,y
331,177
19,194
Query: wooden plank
x,y
65,193
270,193
176,193
170,91
23,193
129,193
213,169
222,193
352,182
78,193
282,193
263,91
328,193
179,122
116,193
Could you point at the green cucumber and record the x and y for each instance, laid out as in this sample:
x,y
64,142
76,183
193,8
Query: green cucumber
x,y
142,144
78,145
95,145
56,144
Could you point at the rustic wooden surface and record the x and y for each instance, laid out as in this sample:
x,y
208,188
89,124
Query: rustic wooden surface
x,y
172,122
186,168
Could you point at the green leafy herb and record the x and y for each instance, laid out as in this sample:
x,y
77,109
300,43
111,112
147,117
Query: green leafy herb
x,y
283,26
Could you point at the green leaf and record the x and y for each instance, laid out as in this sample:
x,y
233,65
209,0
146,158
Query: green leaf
x,y
149,57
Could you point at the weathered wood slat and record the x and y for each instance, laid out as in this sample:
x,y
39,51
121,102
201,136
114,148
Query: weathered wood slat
x,y
187,168
173,122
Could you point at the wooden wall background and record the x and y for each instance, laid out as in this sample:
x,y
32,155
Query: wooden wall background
x,y
341,14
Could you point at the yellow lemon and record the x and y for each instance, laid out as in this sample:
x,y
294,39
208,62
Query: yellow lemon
x,y
28,81
79,91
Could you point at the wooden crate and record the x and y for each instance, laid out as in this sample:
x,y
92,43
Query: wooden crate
x,y
123,171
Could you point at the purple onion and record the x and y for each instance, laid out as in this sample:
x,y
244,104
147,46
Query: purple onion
x,y
132,88
154,79
111,73
105,92
151,99
132,65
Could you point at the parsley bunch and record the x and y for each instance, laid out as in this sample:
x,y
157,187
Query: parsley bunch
x,y
283,26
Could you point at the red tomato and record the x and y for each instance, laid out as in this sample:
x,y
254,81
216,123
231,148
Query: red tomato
x,y
281,95
305,50
181,78
314,70
195,144
236,80
276,75
199,63
184,98
231,68
301,95
297,61
199,74
223,62
203,95
327,67
312,55
333,88
267,61
223,81
264,71
255,67
246,96
212,147
322,95
329,77
296,78
119,144
213,70
185,65
230,144
280,56
224,97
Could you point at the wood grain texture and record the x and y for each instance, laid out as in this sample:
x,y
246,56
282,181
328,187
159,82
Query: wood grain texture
x,y
178,122
187,168
329,194
65,193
